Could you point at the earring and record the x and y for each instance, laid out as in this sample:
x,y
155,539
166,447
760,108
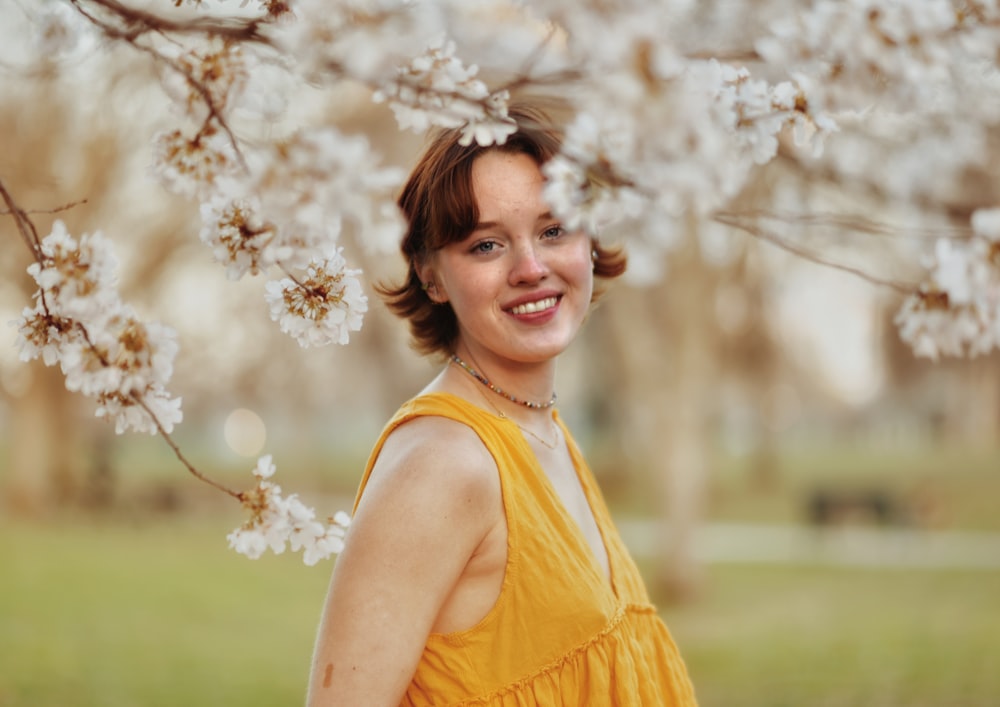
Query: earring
x,y
593,255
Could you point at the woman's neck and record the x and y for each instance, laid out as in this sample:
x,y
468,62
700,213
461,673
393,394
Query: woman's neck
x,y
512,386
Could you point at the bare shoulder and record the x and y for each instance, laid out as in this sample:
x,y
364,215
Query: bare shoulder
x,y
439,457
431,501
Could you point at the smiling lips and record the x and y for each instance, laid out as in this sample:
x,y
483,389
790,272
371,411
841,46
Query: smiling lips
x,y
533,307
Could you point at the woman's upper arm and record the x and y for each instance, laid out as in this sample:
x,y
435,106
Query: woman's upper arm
x,y
431,499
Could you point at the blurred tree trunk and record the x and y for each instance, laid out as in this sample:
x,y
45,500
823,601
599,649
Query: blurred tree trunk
x,y
959,398
46,467
973,408
665,335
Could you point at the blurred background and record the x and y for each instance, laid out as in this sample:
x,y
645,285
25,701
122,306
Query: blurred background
x,y
815,510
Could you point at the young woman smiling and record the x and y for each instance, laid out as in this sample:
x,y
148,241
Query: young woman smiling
x,y
482,566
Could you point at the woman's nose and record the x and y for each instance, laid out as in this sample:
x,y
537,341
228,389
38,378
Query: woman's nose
x,y
528,265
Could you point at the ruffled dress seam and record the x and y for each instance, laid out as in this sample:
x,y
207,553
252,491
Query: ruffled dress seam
x,y
613,625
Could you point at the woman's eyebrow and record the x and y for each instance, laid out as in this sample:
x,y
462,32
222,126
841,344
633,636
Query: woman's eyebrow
x,y
487,225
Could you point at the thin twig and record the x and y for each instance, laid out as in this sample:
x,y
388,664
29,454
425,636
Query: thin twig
x,y
141,22
30,235
177,451
854,222
764,235
24,225
149,23
731,56
557,77
54,210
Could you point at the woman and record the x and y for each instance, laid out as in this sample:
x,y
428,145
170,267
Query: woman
x,y
481,566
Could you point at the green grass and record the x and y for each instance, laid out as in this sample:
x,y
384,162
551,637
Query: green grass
x,y
159,612
151,614
778,636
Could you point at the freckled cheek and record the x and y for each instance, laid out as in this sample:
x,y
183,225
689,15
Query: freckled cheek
x,y
583,272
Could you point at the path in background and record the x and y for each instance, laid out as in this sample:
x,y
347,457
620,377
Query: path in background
x,y
889,548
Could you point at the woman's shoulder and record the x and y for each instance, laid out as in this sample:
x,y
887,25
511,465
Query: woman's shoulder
x,y
437,455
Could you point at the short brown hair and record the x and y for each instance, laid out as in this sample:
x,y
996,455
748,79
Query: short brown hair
x,y
440,208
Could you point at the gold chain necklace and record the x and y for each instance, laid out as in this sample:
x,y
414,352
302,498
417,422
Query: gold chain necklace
x,y
503,416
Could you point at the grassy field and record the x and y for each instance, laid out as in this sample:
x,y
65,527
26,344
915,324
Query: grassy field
x,y
163,613
121,613
789,637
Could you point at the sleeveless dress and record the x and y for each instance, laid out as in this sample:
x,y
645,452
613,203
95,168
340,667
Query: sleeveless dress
x,y
559,634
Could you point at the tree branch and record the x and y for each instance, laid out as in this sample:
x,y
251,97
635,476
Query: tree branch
x,y
755,230
30,235
855,223
147,23
24,225
139,22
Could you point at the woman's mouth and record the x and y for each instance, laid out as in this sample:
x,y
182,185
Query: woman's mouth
x,y
532,307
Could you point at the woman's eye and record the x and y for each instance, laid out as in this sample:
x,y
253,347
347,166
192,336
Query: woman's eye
x,y
484,247
552,232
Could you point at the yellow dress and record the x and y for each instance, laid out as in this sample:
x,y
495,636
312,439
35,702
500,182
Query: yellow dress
x,y
559,633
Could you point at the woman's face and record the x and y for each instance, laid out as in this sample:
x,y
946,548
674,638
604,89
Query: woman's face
x,y
520,285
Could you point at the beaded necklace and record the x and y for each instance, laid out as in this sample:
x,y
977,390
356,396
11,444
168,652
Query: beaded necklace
x,y
503,416
485,381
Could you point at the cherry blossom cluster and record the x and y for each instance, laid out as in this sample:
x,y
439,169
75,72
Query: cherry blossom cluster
x,y
365,40
277,522
309,183
862,51
323,307
957,311
286,210
189,166
105,351
437,89
307,186
622,160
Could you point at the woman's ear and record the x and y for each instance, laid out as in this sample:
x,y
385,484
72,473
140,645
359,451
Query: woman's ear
x,y
425,271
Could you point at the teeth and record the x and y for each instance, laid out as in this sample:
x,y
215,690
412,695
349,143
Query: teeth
x,y
532,307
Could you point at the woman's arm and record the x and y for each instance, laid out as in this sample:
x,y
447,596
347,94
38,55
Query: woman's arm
x,y
432,498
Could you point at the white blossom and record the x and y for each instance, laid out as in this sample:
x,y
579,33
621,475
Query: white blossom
x,y
104,350
986,223
238,236
957,311
216,74
265,467
129,416
761,111
41,335
321,308
863,51
278,522
62,33
79,277
191,166
309,183
604,35
436,88
932,328
360,39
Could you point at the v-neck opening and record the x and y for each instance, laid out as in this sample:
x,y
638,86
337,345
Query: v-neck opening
x,y
575,458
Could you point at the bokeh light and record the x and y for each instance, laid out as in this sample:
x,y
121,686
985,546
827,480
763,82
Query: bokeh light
x,y
245,432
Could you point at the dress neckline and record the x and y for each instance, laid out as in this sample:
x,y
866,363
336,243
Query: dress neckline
x,y
588,489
